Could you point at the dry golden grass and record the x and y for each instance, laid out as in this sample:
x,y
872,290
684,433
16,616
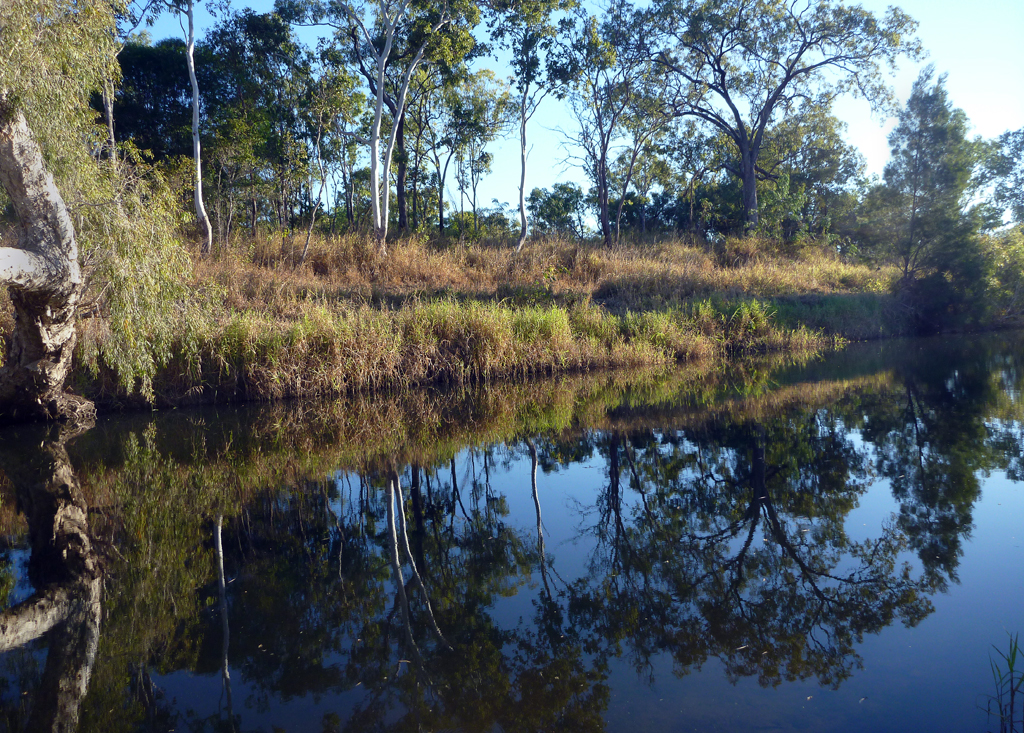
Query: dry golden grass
x,y
260,275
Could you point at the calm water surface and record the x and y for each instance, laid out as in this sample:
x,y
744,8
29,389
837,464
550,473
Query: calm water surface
x,y
835,546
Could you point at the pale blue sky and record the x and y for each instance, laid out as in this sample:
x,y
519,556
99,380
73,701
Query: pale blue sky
x,y
980,45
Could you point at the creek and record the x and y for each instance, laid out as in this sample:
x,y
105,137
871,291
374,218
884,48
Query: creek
x,y
834,545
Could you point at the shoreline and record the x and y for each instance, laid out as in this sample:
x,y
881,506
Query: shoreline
x,y
254,327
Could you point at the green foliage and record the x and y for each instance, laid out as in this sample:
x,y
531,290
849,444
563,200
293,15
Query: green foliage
x,y
481,110
528,29
781,209
136,267
558,211
126,220
1006,168
922,216
809,148
487,225
1005,251
53,56
151,105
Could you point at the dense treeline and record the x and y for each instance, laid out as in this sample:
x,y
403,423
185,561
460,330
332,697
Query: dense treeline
x,y
704,119
288,129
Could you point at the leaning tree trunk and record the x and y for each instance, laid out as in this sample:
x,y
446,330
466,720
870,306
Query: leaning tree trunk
x,y
45,283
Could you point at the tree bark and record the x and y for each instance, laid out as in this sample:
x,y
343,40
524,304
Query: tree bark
x,y
602,199
403,164
522,170
45,283
749,161
108,113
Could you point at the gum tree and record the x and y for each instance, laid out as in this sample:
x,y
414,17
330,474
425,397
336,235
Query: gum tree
x,y
187,8
483,105
527,30
737,65
607,82
390,37
49,62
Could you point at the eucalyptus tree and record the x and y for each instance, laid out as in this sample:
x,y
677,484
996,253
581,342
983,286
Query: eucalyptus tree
x,y
606,82
694,159
333,104
391,91
259,88
644,122
808,148
738,64
483,106
527,29
394,36
422,113
444,69
447,119
643,166
562,210
186,8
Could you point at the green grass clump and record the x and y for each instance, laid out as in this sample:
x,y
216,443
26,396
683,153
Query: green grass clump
x,y
343,349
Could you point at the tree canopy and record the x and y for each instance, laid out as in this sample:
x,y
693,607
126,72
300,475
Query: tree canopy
x,y
737,64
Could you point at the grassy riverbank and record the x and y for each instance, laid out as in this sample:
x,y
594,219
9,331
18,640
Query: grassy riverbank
x,y
261,327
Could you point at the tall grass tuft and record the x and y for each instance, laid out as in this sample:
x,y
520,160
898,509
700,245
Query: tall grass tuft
x,y
1007,705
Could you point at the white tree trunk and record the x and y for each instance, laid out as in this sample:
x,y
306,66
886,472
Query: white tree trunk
x,y
378,199
202,220
380,170
45,282
523,117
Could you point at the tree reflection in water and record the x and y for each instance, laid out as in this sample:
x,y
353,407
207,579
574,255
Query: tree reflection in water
x,y
372,578
66,608
734,547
